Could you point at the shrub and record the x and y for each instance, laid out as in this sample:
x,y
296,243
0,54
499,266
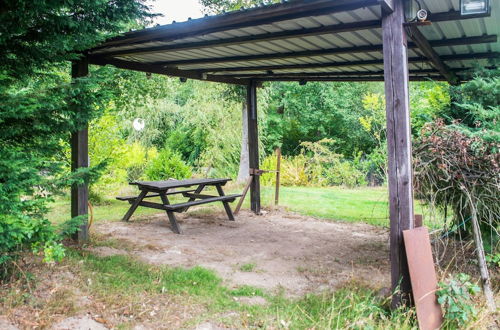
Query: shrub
x,y
455,296
454,168
37,234
168,165
316,165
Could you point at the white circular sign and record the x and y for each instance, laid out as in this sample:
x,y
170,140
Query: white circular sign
x,y
139,124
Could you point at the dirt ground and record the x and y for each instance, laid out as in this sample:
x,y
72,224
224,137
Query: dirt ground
x,y
275,251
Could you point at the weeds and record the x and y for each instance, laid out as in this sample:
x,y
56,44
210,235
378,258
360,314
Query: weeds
x,y
250,267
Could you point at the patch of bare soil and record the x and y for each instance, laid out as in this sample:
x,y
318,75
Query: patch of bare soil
x,y
275,251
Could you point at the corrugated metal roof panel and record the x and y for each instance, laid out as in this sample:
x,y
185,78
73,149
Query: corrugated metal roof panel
x,y
219,48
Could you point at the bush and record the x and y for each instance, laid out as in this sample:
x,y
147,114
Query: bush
x,y
316,165
457,169
37,234
455,296
168,165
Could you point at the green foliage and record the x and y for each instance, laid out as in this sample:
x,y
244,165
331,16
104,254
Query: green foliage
x,y
353,305
493,259
477,106
250,267
36,35
40,107
314,112
455,296
316,165
220,6
168,165
457,164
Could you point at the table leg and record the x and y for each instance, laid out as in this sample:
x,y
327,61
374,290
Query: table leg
x,y
171,216
134,205
226,204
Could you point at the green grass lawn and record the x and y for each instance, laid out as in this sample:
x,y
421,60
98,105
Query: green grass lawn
x,y
364,204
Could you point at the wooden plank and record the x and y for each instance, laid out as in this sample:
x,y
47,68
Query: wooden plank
x,y
80,159
330,74
159,69
244,194
278,173
426,48
253,146
343,78
227,207
151,205
135,204
399,147
171,216
171,184
423,278
228,198
419,220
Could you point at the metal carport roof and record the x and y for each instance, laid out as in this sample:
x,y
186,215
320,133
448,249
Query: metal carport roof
x,y
326,40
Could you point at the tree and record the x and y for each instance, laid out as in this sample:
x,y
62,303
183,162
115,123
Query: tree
x,y
236,93
37,98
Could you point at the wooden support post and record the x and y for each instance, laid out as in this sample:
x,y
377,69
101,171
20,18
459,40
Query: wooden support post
x,y
278,173
253,146
399,147
79,159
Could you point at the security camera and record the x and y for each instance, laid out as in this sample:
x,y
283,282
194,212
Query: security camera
x,y
422,15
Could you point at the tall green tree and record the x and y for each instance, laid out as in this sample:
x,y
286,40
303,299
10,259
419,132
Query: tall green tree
x,y
37,99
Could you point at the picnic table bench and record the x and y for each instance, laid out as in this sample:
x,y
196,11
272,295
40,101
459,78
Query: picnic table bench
x,y
192,189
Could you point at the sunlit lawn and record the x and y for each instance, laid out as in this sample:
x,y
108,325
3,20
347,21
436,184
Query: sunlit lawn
x,y
363,204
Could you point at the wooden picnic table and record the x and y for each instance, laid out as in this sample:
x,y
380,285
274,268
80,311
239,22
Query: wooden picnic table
x,y
192,189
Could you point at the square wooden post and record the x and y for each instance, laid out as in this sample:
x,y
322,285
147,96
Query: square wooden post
x,y
253,146
398,145
79,159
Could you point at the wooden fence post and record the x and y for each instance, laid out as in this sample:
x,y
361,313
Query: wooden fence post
x,y
278,173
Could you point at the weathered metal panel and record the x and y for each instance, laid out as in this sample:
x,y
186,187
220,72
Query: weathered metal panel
x,y
423,278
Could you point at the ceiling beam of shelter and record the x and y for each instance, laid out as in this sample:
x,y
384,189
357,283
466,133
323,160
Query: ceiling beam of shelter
x,y
320,52
356,26
237,20
327,74
365,79
150,68
345,64
426,47
453,15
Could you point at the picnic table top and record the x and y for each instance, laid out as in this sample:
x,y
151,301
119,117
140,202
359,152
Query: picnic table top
x,y
168,184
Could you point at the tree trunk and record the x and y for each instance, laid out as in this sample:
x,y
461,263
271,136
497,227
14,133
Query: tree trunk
x,y
481,259
243,173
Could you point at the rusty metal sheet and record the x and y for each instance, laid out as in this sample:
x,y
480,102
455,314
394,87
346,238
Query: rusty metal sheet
x,y
423,278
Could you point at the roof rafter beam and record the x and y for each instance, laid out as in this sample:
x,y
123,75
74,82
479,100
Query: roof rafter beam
x,y
426,48
345,64
150,68
328,79
327,74
237,20
319,52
